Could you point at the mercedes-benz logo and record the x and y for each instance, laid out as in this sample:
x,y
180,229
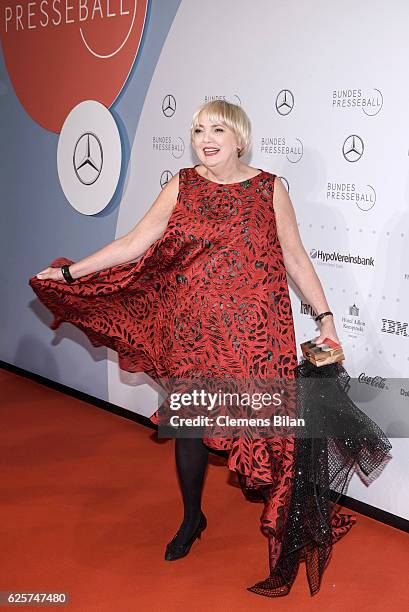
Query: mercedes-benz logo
x,y
165,178
88,158
353,148
169,105
285,182
284,102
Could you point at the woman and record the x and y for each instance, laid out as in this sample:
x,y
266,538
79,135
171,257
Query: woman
x,y
209,297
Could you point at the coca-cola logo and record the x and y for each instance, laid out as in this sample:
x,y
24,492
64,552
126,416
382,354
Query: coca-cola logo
x,y
373,381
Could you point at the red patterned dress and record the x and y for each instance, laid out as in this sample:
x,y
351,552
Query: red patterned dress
x,y
209,297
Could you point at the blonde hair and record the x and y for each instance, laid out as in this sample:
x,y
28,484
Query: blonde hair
x,y
230,115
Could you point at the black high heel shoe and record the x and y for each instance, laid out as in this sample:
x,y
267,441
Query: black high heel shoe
x,y
177,551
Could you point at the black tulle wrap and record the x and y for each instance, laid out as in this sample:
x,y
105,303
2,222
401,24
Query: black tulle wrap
x,y
340,440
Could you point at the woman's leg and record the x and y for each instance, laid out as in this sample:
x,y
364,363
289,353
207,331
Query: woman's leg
x,y
191,460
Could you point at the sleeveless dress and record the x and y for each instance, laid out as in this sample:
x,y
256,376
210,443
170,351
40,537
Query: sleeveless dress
x,y
210,297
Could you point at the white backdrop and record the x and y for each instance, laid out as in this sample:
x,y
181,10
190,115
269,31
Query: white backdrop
x,y
324,86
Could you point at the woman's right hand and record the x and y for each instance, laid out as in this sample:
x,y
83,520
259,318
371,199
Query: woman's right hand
x,y
51,273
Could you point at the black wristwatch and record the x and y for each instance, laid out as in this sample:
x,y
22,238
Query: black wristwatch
x,y
67,274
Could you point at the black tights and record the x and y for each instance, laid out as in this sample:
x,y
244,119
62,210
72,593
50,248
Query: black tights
x,y
191,460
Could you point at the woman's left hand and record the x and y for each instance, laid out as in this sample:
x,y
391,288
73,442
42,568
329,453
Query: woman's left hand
x,y
327,330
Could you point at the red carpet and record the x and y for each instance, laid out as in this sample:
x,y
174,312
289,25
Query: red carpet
x,y
90,500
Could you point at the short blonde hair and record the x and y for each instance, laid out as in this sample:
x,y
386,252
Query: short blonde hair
x,y
230,115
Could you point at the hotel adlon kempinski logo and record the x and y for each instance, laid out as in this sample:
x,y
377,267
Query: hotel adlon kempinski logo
x,y
353,323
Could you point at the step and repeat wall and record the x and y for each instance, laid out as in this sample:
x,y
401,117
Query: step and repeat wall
x,y
96,103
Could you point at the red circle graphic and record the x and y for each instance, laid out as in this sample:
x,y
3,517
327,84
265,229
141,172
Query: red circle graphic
x,y
61,52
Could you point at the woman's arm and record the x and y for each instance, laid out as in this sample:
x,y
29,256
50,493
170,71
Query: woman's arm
x,y
132,245
297,263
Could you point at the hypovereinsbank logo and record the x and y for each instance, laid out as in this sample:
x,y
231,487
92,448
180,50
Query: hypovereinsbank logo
x,y
335,257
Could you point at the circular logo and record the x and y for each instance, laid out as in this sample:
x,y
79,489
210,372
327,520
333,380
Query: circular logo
x,y
296,152
169,105
284,102
366,204
89,157
178,147
353,148
72,51
376,108
313,253
165,178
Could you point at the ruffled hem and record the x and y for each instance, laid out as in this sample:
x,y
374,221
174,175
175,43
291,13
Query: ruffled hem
x,y
91,305
295,477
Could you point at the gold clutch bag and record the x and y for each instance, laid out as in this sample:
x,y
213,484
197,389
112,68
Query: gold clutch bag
x,y
324,353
